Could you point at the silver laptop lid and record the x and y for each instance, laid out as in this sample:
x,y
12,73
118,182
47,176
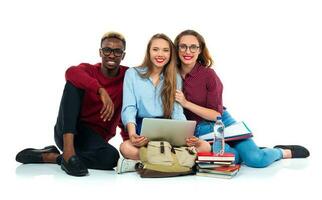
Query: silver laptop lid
x,y
173,131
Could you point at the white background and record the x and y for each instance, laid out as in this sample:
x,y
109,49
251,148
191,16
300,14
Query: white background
x,y
267,54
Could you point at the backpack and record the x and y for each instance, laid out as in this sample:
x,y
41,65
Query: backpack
x,y
160,159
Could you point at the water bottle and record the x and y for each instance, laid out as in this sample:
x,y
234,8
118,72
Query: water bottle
x,y
219,140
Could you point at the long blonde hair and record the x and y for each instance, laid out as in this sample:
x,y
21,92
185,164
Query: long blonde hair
x,y
169,73
204,57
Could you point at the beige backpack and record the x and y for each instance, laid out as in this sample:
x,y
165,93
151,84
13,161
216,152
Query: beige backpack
x,y
160,159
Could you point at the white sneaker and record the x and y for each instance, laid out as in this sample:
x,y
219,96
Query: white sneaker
x,y
126,165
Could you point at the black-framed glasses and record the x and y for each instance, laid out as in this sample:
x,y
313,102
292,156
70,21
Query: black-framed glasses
x,y
193,48
107,51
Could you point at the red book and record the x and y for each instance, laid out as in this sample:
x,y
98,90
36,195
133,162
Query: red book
x,y
211,156
228,170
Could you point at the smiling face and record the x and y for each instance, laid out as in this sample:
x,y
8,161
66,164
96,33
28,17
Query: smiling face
x,y
160,52
112,53
189,50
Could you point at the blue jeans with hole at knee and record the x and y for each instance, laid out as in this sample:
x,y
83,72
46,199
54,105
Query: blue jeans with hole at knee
x,y
246,151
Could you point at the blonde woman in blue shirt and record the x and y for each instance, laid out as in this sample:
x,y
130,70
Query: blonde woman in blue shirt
x,y
149,92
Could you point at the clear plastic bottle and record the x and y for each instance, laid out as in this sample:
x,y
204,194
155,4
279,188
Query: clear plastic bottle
x,y
219,139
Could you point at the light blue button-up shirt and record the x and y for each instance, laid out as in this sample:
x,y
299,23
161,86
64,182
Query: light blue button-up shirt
x,y
141,99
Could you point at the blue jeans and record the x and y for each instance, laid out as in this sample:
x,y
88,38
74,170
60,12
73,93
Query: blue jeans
x,y
138,127
246,151
205,127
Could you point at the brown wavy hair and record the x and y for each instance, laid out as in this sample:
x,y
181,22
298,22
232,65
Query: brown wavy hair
x,y
169,73
204,57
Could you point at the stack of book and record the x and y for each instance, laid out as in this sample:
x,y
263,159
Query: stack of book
x,y
214,165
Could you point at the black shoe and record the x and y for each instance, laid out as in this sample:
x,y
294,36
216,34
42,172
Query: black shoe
x,y
297,150
74,166
31,155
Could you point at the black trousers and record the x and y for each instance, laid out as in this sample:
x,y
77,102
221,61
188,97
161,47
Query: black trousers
x,y
89,146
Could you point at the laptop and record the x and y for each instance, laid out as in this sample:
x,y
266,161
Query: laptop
x,y
173,131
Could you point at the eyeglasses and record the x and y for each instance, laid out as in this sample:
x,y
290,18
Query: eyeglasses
x,y
107,51
193,48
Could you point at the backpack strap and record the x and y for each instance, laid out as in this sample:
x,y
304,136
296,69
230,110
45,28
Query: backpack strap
x,y
162,147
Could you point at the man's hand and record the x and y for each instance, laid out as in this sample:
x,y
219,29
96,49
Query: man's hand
x,y
181,98
138,141
107,110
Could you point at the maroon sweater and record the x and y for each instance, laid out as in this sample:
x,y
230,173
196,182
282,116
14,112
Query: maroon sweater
x,y
90,78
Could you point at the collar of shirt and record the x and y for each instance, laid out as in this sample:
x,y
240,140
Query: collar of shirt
x,y
194,70
161,77
145,69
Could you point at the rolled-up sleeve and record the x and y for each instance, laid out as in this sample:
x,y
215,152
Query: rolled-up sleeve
x,y
129,108
178,109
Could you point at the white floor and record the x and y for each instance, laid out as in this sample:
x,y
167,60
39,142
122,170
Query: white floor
x,y
285,179
291,179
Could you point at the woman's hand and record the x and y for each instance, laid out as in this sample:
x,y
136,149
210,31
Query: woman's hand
x,y
107,110
193,141
181,98
138,141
